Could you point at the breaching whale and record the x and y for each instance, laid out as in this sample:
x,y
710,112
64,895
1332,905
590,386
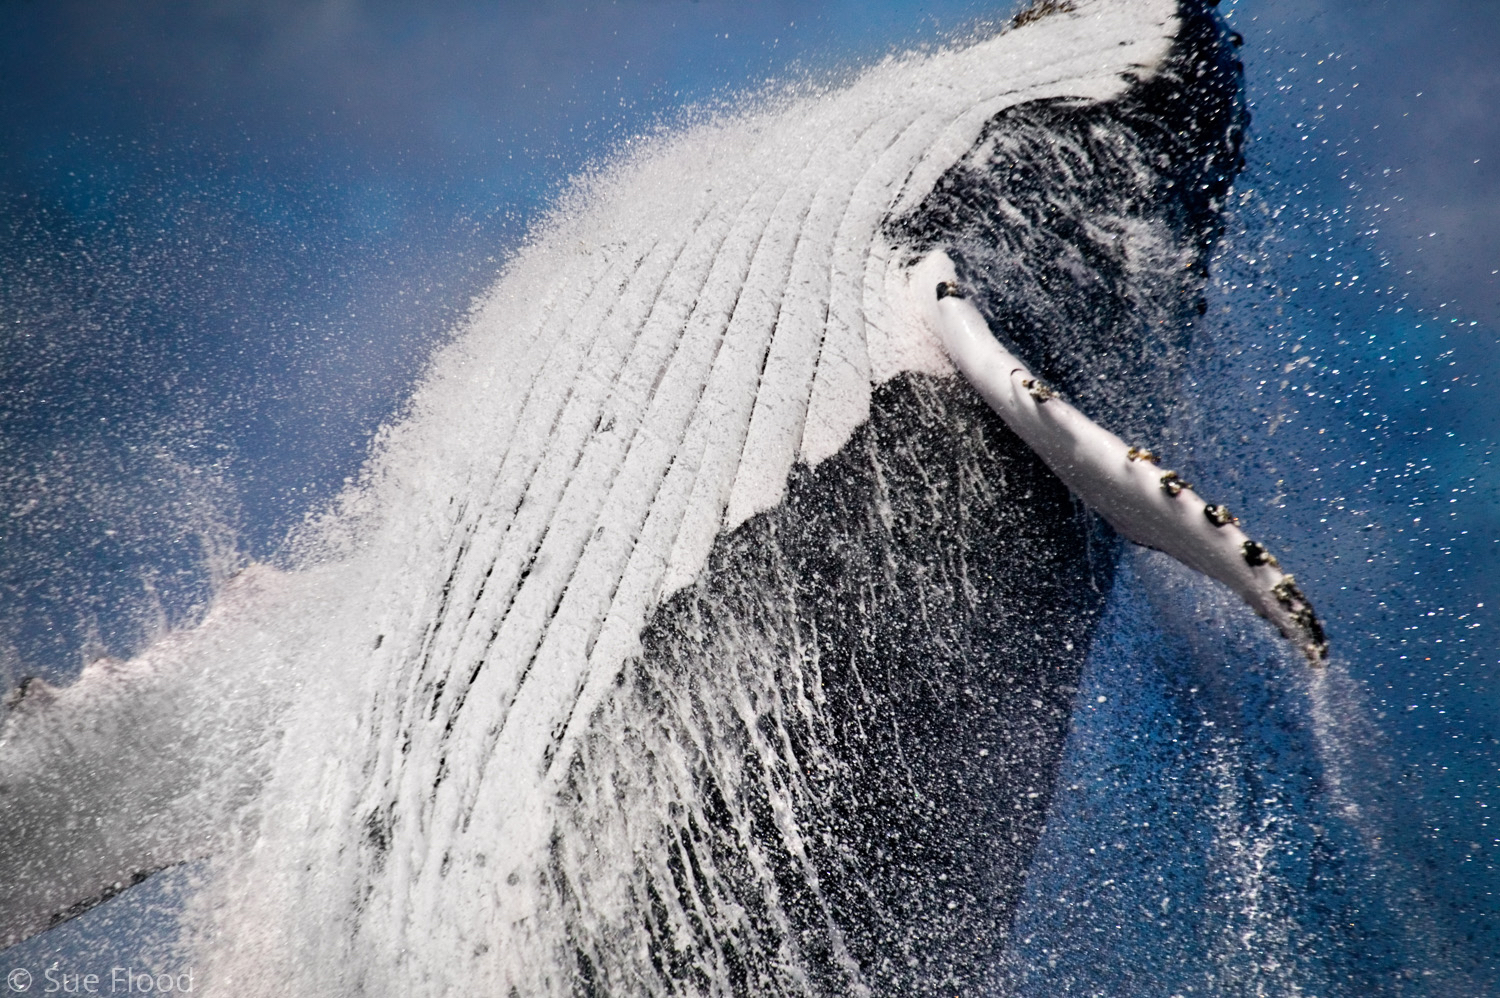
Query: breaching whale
x,y
698,629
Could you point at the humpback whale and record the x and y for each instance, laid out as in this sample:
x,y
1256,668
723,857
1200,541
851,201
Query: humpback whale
x,y
698,629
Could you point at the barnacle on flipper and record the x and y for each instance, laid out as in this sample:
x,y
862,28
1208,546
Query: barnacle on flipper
x,y
1256,554
1297,606
1039,389
1173,484
1218,514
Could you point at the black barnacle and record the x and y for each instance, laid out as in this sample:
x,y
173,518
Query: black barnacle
x,y
1172,484
1219,515
1142,454
1256,554
1287,593
1301,612
949,289
1039,391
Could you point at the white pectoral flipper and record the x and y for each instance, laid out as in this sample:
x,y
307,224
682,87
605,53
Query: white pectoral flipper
x,y
1122,483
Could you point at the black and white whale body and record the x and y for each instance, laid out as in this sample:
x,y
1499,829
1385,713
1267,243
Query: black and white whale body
x,y
699,631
